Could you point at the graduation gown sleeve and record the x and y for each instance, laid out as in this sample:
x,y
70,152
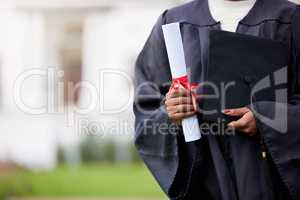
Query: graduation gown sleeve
x,y
156,138
284,146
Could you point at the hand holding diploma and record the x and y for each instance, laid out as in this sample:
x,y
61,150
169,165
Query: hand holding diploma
x,y
180,103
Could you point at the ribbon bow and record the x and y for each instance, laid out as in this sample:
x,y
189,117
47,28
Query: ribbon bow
x,y
182,81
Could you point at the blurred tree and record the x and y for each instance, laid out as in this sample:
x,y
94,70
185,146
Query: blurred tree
x,y
93,150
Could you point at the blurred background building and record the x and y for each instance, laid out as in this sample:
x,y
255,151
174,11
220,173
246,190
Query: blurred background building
x,y
82,38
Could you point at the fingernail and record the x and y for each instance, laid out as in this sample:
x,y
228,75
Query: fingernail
x,y
230,125
226,111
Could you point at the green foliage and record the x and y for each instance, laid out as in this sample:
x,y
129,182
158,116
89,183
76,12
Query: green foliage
x,y
13,184
60,156
94,150
135,156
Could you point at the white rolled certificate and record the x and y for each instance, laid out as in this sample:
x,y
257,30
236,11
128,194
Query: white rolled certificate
x,y
174,45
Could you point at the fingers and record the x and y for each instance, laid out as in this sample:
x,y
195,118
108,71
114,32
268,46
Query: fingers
x,y
181,96
179,101
180,116
194,102
239,124
180,109
180,104
181,92
247,124
236,112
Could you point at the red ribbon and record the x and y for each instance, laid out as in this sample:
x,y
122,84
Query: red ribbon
x,y
182,81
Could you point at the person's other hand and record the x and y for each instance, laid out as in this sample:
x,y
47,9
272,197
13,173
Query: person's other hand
x,y
180,104
247,122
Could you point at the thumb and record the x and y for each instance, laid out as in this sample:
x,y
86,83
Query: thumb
x,y
194,100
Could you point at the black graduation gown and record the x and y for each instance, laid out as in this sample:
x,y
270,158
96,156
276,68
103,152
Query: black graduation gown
x,y
229,167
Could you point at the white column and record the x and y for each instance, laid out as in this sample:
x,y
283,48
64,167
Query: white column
x,y
28,139
23,49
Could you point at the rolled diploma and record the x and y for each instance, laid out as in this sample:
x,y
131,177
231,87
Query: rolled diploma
x,y
174,45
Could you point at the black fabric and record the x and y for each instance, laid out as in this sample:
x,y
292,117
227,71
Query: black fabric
x,y
192,168
237,62
166,154
284,147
